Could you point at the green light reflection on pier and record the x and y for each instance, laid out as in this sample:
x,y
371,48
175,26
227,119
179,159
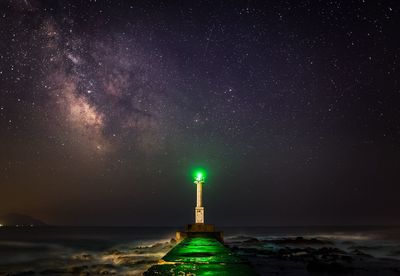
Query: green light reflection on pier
x,y
201,256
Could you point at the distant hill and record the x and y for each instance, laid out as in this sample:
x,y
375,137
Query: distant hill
x,y
13,219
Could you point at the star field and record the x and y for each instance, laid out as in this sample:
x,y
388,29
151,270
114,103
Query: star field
x,y
292,107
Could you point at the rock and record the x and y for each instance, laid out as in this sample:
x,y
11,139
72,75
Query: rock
x,y
21,273
363,247
360,253
346,258
348,242
394,253
318,266
52,271
114,252
103,269
76,269
252,240
82,257
298,241
240,238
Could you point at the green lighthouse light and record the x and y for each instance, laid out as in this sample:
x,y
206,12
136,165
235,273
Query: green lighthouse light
x,y
199,176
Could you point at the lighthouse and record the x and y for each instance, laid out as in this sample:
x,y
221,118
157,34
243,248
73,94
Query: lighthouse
x,y
199,228
199,209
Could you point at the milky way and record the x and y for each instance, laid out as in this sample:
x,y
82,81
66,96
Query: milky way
x,y
292,108
105,88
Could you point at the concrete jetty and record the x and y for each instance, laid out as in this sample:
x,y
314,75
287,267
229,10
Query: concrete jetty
x,y
201,255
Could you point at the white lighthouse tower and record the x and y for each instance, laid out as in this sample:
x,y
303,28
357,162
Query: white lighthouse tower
x,y
199,210
199,228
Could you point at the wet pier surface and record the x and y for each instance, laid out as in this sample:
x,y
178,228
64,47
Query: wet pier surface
x,y
201,256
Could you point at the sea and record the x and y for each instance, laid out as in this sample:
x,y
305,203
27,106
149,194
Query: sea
x,y
131,250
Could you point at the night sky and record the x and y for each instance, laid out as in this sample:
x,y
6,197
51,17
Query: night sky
x,y
292,107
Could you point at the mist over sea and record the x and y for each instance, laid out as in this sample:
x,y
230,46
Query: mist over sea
x,y
131,250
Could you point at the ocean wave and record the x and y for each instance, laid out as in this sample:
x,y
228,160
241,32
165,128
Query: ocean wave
x,y
124,259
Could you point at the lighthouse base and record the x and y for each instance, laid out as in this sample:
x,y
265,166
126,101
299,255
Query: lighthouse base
x,y
199,215
199,230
